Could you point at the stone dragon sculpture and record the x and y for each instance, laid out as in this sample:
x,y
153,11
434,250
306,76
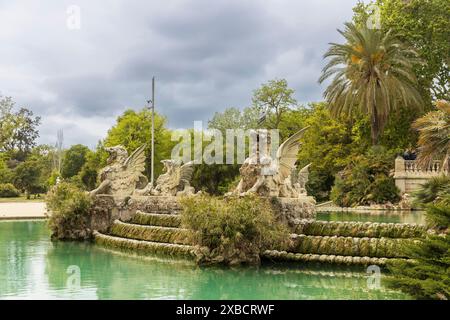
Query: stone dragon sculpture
x,y
265,176
123,174
174,182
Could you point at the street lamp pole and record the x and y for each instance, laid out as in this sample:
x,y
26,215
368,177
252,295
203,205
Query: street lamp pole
x,y
153,132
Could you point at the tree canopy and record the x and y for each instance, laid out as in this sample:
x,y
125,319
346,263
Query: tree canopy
x,y
372,72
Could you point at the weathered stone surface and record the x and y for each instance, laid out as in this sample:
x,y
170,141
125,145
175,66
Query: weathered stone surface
x,y
174,181
322,258
358,229
347,246
156,219
150,233
107,208
146,247
291,210
123,174
267,175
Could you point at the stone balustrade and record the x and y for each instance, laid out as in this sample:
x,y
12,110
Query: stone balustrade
x,y
409,175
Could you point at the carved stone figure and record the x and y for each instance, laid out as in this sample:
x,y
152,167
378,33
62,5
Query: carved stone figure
x,y
265,176
302,179
123,174
175,181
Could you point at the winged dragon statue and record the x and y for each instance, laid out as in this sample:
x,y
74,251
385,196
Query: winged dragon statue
x,y
174,182
277,177
123,174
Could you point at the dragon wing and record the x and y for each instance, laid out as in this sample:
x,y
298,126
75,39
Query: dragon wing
x,y
305,169
135,164
287,154
187,170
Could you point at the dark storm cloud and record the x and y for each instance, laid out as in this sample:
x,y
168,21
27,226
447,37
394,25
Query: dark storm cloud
x,y
206,55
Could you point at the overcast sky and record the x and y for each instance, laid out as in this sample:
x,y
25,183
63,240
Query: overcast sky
x,y
206,55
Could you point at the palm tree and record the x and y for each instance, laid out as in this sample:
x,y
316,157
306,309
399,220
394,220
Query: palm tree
x,y
373,73
434,136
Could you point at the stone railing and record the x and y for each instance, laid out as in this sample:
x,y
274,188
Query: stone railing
x,y
412,167
409,175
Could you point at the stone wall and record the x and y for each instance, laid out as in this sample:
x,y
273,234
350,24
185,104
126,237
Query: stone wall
x,y
106,209
409,176
359,229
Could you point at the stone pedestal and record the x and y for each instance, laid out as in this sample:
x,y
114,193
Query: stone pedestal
x,y
106,209
291,210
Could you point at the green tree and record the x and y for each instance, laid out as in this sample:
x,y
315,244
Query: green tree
x,y
434,135
326,144
94,162
133,129
373,73
233,118
274,98
6,174
424,25
74,159
366,180
27,177
18,129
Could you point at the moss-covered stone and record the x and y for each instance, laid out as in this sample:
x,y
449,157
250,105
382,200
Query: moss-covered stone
x,y
155,219
359,229
150,233
347,246
145,247
332,259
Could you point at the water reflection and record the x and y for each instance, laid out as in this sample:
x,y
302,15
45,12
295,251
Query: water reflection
x,y
33,267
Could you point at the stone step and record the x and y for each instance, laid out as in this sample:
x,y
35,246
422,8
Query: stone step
x,y
347,246
145,247
150,233
360,229
156,219
275,255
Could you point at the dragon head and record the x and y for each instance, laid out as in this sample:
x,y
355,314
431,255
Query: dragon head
x,y
116,154
170,165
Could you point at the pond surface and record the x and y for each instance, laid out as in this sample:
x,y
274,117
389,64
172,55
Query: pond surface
x,y
375,216
32,267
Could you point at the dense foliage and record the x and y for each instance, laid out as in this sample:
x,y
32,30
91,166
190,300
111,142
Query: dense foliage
x,y
70,207
434,135
74,160
427,275
235,230
18,129
371,72
133,129
7,190
423,25
366,180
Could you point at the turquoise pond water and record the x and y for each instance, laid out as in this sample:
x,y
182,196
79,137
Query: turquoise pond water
x,y
32,267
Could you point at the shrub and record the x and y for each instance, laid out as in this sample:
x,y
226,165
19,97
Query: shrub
x,y
426,275
235,230
69,207
7,190
437,187
366,180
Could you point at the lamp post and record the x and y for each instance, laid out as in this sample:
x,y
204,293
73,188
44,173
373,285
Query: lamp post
x,y
152,101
